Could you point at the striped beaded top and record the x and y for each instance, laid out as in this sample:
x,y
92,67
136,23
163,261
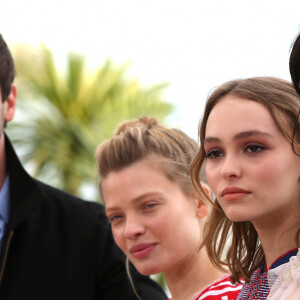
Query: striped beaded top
x,y
258,287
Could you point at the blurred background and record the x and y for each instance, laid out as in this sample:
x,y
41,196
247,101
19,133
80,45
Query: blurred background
x,y
85,66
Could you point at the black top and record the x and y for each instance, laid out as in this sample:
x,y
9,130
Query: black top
x,y
57,246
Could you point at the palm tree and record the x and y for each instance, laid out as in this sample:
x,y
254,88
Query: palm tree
x,y
65,115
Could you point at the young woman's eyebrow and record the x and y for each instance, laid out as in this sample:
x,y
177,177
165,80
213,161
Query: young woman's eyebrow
x,y
249,133
238,136
211,139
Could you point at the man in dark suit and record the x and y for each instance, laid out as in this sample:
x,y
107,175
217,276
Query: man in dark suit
x,y
52,244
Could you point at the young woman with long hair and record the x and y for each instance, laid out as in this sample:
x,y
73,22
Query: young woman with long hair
x,y
250,150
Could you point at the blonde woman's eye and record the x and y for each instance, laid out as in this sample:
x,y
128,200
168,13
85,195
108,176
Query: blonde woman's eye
x,y
149,206
115,218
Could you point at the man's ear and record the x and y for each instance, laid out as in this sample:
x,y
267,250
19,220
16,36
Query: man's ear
x,y
10,104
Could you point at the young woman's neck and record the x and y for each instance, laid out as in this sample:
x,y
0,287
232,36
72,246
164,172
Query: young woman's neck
x,y
193,276
277,235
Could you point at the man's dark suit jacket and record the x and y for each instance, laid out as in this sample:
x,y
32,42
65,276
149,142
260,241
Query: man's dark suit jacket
x,y
59,247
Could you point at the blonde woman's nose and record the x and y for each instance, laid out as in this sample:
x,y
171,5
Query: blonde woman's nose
x,y
133,228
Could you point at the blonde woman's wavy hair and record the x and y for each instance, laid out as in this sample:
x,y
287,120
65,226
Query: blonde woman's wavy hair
x,y
244,252
144,138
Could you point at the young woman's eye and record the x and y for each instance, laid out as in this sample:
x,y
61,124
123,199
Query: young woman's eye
x,y
254,148
213,154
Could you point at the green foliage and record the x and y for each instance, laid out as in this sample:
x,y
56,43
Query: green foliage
x,y
64,115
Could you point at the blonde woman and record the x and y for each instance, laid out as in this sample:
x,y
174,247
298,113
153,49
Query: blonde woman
x,y
156,215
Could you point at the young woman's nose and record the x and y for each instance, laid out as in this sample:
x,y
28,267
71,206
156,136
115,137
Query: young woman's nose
x,y
133,228
231,167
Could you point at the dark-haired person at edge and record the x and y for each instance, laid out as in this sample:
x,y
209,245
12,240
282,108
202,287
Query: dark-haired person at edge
x,y
53,245
295,64
250,149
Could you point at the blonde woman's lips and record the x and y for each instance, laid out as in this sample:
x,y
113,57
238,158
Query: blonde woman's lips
x,y
142,250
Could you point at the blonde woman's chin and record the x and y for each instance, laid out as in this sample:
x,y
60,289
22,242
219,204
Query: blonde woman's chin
x,y
148,268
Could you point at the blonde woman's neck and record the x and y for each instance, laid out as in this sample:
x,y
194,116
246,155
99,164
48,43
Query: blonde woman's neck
x,y
192,276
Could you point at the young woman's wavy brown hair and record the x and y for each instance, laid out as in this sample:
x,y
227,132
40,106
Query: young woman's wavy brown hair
x,y
239,240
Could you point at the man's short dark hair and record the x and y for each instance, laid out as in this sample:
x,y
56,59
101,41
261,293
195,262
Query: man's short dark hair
x,y
7,69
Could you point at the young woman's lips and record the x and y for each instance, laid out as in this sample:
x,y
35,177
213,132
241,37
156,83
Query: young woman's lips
x,y
234,193
142,250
